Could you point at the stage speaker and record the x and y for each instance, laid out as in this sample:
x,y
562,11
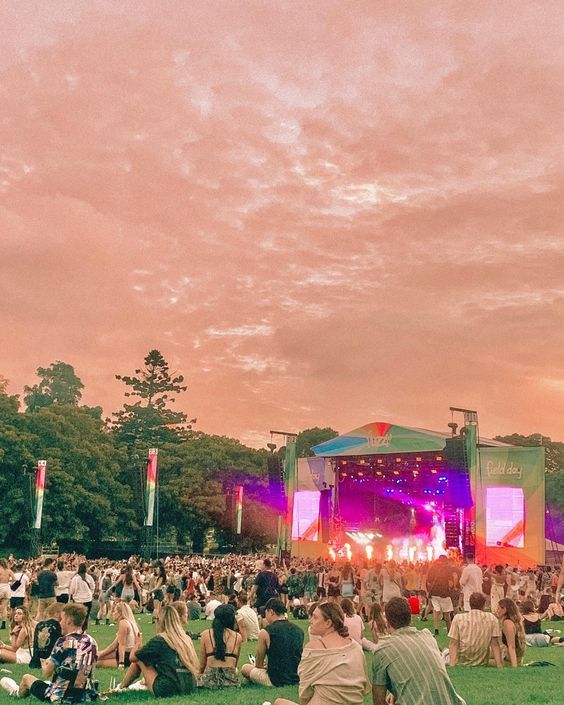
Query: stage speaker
x,y
455,454
275,467
458,491
325,515
452,527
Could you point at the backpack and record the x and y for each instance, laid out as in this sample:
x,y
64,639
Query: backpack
x,y
300,612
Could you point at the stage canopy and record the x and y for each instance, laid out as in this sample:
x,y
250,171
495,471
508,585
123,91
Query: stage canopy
x,y
381,438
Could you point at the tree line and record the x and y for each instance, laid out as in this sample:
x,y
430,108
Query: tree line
x,y
96,466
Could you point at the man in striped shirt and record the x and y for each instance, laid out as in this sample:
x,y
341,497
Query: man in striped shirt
x,y
472,635
409,664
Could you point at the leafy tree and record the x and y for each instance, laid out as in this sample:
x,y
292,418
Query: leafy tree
x,y
312,437
59,385
3,385
149,421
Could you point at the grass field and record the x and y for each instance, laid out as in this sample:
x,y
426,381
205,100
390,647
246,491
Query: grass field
x,y
478,686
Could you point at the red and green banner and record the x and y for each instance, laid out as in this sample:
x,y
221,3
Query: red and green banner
x,y
151,489
39,492
238,508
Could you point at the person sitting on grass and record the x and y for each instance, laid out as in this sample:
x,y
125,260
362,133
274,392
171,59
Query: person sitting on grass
x,y
281,643
70,666
409,663
220,651
377,623
473,635
332,669
128,637
21,639
168,662
512,631
554,611
46,634
247,620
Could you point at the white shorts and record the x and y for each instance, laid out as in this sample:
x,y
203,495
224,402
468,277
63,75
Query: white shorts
x,y
23,656
441,604
4,591
260,676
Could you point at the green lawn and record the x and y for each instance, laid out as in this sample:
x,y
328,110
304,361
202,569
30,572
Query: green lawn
x,y
478,686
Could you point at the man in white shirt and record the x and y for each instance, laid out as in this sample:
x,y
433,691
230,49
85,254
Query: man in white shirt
x,y
472,634
247,619
212,603
17,596
470,580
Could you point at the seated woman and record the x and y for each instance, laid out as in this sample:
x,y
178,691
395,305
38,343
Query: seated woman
x,y
534,635
128,637
220,651
168,662
512,631
554,611
355,625
21,639
377,623
332,669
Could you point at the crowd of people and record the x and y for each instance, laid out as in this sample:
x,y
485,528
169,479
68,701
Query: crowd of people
x,y
490,614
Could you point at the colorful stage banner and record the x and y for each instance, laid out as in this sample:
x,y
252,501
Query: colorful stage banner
x,y
151,485
39,492
238,508
508,488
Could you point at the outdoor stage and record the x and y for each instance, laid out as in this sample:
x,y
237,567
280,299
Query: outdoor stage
x,y
388,491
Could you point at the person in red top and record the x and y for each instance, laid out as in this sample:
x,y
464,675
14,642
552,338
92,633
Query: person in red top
x,y
414,603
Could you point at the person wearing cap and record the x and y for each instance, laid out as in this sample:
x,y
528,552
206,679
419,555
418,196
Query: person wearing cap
x,y
281,644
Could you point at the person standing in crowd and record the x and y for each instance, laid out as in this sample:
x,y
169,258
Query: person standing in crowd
x,y
512,632
247,620
332,668
440,580
6,579
409,663
499,586
128,637
63,582
281,643
46,584
390,581
69,667
158,590
21,639
473,635
81,590
266,585
18,587
470,580
219,654
168,662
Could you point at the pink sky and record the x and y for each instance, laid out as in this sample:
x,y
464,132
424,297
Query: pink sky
x,y
322,213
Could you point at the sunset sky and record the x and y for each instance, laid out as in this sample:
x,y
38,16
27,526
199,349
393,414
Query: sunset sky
x,y
322,213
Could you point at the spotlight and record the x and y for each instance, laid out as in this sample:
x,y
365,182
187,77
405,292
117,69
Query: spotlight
x,y
438,457
398,460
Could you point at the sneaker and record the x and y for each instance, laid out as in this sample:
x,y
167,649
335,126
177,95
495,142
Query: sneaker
x,y
436,632
9,685
252,659
138,685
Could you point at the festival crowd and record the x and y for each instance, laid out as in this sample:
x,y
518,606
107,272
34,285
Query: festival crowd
x,y
492,614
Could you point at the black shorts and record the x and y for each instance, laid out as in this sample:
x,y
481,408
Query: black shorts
x,y
63,599
38,689
16,602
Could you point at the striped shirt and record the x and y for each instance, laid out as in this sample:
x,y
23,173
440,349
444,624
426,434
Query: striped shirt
x,y
410,665
474,631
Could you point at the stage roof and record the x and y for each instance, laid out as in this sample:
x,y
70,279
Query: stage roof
x,y
379,438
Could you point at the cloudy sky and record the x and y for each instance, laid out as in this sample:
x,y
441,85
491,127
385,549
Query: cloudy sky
x,y
322,213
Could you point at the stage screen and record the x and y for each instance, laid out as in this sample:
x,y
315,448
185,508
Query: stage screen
x,y
505,517
305,524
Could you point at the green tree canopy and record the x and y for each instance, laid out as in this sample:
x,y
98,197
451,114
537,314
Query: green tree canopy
x,y
149,421
58,385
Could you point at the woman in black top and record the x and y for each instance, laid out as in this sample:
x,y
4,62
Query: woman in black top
x,y
168,661
220,650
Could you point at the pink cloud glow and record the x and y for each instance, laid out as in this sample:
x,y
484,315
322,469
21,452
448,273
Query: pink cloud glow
x,y
322,214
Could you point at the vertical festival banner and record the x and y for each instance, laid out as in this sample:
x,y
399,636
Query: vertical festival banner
x,y
290,482
151,485
238,508
39,491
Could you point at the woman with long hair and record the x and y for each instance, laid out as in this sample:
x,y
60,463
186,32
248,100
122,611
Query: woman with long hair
x,y
81,590
158,590
168,662
332,668
126,586
512,631
21,638
220,650
391,581
377,622
348,580
128,637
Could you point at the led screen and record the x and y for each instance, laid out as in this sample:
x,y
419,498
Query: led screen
x,y
505,517
305,524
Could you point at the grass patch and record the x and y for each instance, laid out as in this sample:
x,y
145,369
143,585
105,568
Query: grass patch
x,y
478,686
